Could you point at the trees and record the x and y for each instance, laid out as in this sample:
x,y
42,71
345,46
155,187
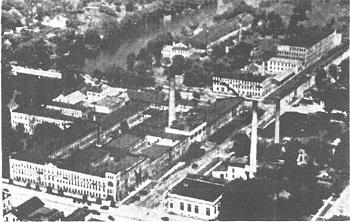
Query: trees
x,y
130,61
178,65
241,145
247,200
332,71
44,131
320,78
112,35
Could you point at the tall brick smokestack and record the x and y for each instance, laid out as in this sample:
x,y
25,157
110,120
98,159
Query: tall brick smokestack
x,y
171,109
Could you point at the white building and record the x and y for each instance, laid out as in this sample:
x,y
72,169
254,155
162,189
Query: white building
x,y
36,72
30,117
277,65
230,171
92,172
169,51
309,54
108,104
246,85
73,110
195,198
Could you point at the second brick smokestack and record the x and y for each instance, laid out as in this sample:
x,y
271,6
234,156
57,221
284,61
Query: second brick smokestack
x,y
172,113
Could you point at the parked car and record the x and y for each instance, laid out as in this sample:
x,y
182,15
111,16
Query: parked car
x,y
104,207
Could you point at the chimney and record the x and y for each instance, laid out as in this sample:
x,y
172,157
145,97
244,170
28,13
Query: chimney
x,y
240,29
171,109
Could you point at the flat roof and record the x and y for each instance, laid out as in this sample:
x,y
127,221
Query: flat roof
x,y
125,141
77,106
300,78
148,96
130,109
115,165
308,37
224,166
155,126
97,161
96,89
53,114
155,151
40,153
36,72
243,76
110,101
198,189
284,75
285,60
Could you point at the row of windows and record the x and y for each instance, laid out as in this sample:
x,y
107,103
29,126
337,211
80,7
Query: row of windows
x,y
250,93
236,81
281,64
197,133
189,208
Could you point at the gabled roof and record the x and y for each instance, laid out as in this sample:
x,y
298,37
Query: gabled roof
x,y
28,207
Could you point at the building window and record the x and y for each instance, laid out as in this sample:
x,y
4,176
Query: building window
x,y
189,207
208,212
181,206
196,209
171,205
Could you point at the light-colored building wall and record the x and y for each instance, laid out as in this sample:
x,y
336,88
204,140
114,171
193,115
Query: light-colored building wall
x,y
242,87
76,184
169,51
191,207
196,135
68,111
232,173
29,122
311,54
278,65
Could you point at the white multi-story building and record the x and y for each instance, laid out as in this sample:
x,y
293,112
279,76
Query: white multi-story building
x,y
195,198
277,65
92,172
309,54
231,171
247,85
169,51
29,118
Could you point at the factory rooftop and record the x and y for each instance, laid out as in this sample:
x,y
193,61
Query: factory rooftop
x,y
198,189
155,126
209,114
155,151
308,37
302,77
77,106
131,108
40,153
239,75
111,101
147,96
97,161
53,114
125,142
36,72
